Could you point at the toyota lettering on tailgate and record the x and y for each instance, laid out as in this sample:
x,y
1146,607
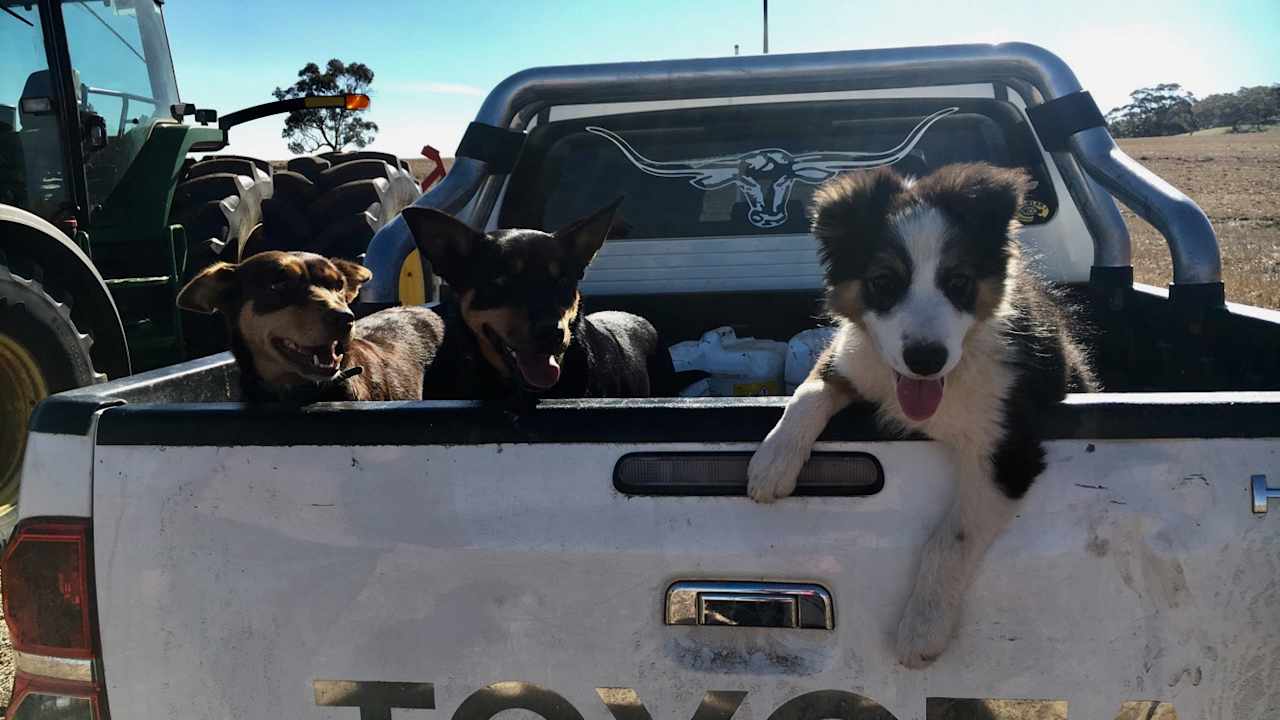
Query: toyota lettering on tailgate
x,y
375,701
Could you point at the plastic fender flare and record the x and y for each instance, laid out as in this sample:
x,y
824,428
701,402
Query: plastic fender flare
x,y
23,233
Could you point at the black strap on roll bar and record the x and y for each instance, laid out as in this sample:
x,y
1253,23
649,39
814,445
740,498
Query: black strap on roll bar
x,y
499,148
1060,118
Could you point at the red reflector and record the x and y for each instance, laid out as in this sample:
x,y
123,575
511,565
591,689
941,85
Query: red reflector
x,y
46,588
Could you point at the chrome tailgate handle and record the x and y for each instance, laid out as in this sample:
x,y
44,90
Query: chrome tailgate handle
x,y
749,604
1262,494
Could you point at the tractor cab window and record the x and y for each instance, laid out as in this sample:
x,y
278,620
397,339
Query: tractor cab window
x,y
31,158
124,75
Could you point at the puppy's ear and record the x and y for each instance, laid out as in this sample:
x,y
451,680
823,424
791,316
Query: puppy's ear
x,y
582,238
444,241
851,212
210,290
982,199
354,275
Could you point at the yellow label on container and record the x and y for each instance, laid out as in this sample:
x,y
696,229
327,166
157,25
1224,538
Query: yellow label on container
x,y
757,389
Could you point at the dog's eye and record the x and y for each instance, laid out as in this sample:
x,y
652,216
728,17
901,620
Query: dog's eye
x,y
959,285
884,284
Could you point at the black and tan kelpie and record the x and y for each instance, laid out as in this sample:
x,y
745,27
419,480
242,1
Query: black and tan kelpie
x,y
514,331
296,340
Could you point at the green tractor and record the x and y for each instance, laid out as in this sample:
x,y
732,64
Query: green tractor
x,y
104,214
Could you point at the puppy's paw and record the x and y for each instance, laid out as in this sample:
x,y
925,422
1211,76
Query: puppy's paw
x,y
923,632
772,471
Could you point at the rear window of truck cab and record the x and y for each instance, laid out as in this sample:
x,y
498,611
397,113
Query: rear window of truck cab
x,y
745,170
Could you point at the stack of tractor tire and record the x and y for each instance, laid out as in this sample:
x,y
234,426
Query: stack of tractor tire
x,y
219,201
234,206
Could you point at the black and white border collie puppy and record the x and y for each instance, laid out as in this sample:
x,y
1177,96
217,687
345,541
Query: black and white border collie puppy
x,y
946,332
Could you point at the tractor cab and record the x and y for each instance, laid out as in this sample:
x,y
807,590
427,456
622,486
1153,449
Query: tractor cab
x,y
104,214
82,85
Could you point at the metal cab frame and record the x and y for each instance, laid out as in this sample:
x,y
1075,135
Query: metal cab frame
x,y
1093,168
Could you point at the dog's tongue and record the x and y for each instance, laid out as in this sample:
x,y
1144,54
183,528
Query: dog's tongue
x,y
919,398
539,370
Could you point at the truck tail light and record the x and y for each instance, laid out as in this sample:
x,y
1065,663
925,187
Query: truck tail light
x,y
49,607
44,699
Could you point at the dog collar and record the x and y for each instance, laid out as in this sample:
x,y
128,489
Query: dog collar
x,y
313,391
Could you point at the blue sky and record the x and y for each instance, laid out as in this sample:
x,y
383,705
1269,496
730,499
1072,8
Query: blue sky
x,y
435,61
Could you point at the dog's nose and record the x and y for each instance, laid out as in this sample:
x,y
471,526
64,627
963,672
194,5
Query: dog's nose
x,y
548,335
340,319
925,358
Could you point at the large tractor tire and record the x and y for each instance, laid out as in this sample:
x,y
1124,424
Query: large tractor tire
x,y
208,233
41,352
219,201
332,204
308,166
233,207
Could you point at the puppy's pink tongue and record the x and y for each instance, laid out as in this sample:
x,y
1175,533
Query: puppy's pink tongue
x,y
540,371
919,398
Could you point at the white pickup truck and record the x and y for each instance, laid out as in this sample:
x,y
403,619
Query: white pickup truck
x,y
183,555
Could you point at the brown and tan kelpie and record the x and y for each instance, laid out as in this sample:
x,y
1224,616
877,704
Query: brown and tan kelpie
x,y
296,340
515,332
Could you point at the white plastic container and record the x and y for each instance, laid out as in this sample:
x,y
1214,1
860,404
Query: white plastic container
x,y
803,352
701,388
738,366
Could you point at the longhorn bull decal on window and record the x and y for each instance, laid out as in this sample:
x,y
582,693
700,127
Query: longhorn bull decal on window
x,y
766,176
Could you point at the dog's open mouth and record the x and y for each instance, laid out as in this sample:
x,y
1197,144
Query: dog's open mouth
x,y
311,359
919,399
538,371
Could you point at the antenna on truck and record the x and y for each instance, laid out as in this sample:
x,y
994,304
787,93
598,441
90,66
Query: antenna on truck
x,y
766,27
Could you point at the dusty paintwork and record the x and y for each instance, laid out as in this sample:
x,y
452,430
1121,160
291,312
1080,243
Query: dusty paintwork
x,y
1134,572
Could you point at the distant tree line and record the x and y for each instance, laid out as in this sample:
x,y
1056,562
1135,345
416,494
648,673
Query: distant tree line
x,y
1168,109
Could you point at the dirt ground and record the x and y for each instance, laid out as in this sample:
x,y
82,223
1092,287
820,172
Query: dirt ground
x,y
6,662
1235,178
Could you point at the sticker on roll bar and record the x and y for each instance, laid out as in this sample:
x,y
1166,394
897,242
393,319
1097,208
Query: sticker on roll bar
x,y
765,176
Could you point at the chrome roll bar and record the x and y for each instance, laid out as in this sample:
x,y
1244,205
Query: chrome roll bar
x,y
1094,167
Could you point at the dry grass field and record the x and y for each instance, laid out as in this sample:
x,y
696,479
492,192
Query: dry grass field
x,y
1235,178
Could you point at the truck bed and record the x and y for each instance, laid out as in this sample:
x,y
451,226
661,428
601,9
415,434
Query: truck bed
x,y
1141,343
266,556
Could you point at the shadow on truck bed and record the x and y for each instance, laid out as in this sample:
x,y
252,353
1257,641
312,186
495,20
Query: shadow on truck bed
x,y
1139,341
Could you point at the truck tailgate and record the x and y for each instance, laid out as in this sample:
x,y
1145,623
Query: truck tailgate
x,y
261,579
